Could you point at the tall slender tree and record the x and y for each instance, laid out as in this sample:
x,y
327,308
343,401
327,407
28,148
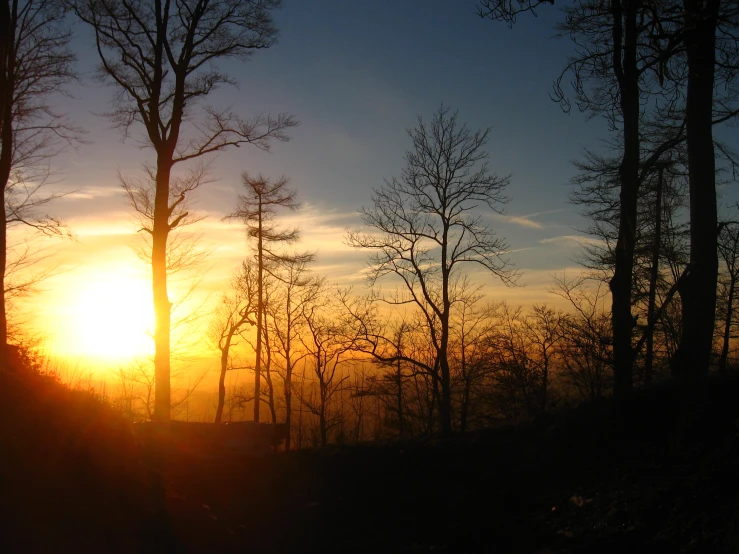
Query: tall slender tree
x,y
698,289
257,209
160,57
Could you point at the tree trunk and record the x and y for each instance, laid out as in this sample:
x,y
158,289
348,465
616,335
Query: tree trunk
x,y
654,273
288,414
698,293
435,399
445,402
7,86
260,317
322,423
464,411
300,411
162,306
399,397
222,380
722,365
621,285
288,368
268,379
545,380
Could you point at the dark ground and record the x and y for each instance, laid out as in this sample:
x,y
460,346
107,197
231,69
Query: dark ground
x,y
663,477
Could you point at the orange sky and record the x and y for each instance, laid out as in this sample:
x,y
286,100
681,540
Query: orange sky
x,y
98,304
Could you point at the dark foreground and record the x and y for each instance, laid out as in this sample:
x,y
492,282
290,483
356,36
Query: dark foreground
x,y
663,477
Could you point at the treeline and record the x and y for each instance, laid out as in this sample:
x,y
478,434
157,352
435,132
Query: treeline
x,y
432,353
350,382
657,296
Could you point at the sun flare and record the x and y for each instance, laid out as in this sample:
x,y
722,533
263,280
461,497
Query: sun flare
x,y
112,317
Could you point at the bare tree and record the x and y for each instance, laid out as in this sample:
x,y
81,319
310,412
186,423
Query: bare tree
x,y
728,247
135,398
661,239
35,63
297,289
516,380
159,57
543,330
587,340
236,309
390,385
682,56
329,340
425,228
473,351
257,209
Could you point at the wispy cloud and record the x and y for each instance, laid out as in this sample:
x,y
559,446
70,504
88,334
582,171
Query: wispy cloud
x,y
567,239
91,193
529,220
523,221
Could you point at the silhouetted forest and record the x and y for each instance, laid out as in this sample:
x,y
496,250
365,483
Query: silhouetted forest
x,y
422,411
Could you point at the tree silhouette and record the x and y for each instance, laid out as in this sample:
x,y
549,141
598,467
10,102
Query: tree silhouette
x,y
257,209
683,56
728,247
35,63
709,34
236,309
329,341
159,57
426,229
295,288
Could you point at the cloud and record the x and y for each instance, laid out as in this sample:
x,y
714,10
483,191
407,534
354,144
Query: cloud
x,y
523,221
566,239
528,220
92,193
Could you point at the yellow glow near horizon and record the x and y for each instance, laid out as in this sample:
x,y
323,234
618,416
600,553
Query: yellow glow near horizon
x,y
111,317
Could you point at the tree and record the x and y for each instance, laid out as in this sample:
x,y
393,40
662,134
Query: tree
x,y
470,351
35,63
135,397
698,290
543,330
257,209
608,43
297,289
728,247
683,55
160,56
234,312
426,229
661,239
587,351
329,338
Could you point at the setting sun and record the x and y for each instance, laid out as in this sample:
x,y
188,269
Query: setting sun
x,y
111,317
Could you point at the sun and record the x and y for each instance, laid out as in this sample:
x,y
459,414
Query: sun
x,y
112,317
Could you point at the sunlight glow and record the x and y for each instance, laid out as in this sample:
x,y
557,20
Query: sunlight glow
x,y
112,317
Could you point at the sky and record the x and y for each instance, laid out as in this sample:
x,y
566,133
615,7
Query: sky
x,y
356,75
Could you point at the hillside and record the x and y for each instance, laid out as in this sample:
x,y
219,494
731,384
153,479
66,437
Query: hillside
x,y
71,474
661,477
